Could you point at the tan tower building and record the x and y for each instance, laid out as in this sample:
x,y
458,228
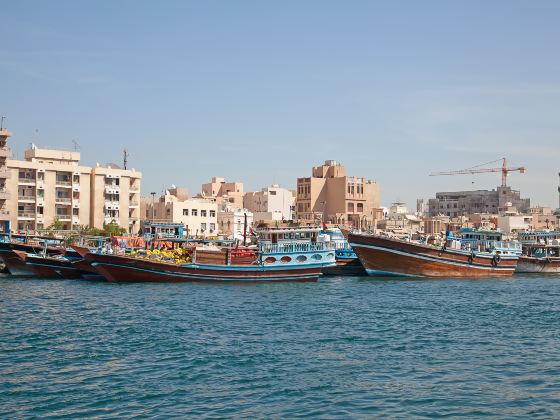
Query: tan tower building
x,y
331,196
4,176
51,185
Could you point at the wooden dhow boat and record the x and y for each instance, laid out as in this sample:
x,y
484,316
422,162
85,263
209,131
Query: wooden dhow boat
x,y
13,261
271,261
541,253
347,261
386,256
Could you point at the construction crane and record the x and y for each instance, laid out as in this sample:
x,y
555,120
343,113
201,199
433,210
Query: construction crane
x,y
478,170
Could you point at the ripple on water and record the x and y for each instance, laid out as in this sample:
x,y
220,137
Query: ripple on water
x,y
339,348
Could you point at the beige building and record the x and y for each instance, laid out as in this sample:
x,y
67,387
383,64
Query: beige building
x,y
4,177
270,203
225,194
232,223
51,185
198,216
543,218
333,197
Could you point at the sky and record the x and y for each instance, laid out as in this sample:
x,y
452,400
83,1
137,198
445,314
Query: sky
x,y
261,91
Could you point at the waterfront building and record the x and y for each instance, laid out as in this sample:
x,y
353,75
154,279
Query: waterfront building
x,y
543,218
512,223
199,217
231,222
51,185
223,193
271,203
461,203
329,195
4,176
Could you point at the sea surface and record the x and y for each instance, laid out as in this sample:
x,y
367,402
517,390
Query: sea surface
x,y
351,347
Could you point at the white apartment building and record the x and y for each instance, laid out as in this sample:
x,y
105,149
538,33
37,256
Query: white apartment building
x,y
51,185
198,216
271,203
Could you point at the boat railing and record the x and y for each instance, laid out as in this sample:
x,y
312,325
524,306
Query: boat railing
x,y
267,248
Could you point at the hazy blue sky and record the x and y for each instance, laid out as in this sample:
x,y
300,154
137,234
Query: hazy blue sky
x,y
260,91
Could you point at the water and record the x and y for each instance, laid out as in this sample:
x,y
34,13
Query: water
x,y
343,347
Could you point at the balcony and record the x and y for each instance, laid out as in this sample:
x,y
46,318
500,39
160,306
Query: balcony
x,y
26,215
134,204
63,183
27,180
112,189
5,174
109,220
4,194
134,188
26,198
4,215
64,217
112,205
63,200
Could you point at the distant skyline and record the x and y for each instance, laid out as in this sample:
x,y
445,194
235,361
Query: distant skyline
x,y
260,92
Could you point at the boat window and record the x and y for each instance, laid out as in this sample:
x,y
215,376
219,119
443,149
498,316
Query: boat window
x,y
270,260
317,257
301,258
285,259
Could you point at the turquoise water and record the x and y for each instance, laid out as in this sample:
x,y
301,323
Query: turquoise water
x,y
343,347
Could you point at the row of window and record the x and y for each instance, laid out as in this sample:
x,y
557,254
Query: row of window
x,y
359,189
203,213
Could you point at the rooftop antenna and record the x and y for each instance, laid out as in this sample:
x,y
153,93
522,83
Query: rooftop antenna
x,y
125,158
76,145
2,122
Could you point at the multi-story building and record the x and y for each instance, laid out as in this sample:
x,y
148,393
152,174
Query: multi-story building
x,y
543,218
331,196
271,203
225,194
231,222
462,203
4,176
115,197
199,217
51,185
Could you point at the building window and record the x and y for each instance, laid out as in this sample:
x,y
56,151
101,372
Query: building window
x,y
350,207
194,212
185,212
212,213
212,227
360,207
272,192
202,213
203,227
168,212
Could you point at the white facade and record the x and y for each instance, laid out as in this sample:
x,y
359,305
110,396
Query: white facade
x,y
231,223
517,223
271,203
198,216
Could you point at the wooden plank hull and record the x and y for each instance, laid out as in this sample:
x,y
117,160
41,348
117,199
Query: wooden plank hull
x,y
15,265
127,269
13,261
392,257
52,268
346,267
538,265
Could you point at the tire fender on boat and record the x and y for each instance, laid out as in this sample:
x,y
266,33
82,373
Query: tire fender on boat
x,y
471,258
496,260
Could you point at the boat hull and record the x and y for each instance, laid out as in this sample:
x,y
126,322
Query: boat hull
x,y
52,268
391,257
345,267
128,270
15,265
538,265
